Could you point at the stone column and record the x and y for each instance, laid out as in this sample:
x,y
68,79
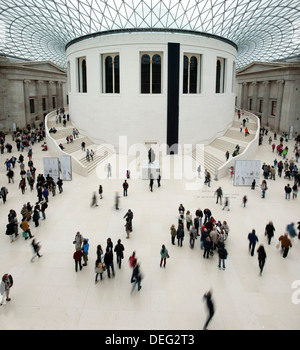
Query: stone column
x,y
279,104
265,114
49,97
254,97
39,101
26,101
245,96
59,93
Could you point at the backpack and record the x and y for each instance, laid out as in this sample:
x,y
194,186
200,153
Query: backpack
x,y
11,281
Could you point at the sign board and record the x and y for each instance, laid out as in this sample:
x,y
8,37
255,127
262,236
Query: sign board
x,y
246,171
51,167
66,168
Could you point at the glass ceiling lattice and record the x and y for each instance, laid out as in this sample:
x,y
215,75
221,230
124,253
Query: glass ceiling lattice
x,y
263,30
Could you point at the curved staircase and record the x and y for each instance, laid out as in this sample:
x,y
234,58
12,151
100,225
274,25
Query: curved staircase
x,y
214,153
74,148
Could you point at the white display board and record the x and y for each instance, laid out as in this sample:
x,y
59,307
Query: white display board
x,y
150,168
66,168
51,167
245,171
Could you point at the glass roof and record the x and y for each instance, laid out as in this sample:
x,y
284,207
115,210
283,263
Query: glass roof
x,y
263,30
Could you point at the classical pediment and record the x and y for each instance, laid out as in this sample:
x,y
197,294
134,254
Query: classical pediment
x,y
44,66
260,67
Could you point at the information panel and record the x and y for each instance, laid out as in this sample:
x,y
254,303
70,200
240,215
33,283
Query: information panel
x,y
51,167
246,171
66,168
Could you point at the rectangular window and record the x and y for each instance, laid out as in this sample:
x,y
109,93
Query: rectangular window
x,y
191,73
31,104
273,108
220,75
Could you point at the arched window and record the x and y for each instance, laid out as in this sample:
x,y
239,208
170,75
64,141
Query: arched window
x,y
111,76
117,74
156,74
84,82
151,73
220,75
191,74
145,74
108,75
185,74
82,74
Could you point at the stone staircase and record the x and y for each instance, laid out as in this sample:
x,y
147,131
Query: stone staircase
x,y
74,148
214,157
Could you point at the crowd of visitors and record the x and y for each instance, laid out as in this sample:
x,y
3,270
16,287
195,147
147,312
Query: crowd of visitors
x,y
202,229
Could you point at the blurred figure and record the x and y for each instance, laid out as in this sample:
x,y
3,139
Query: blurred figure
x,y
94,200
36,249
117,199
261,257
210,307
136,277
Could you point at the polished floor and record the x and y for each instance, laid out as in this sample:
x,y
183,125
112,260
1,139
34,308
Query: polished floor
x,y
49,294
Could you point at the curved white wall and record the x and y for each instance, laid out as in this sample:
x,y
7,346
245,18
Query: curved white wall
x,y
143,117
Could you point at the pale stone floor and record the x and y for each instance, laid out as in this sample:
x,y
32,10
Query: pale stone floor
x,y
49,294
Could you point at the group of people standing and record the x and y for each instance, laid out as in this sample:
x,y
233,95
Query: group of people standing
x,y
212,233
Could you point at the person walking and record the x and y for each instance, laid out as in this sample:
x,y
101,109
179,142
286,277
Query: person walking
x,y
109,262
269,231
108,170
77,256
94,200
180,235
119,249
286,244
6,284
100,191
252,238
261,258
136,277
151,183
226,204
26,229
163,255
36,250
128,217
264,188
219,194
245,200
44,206
99,269
125,188
210,306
